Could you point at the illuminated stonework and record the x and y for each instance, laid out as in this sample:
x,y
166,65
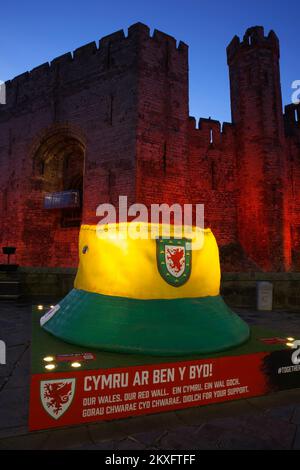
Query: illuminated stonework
x,y
113,119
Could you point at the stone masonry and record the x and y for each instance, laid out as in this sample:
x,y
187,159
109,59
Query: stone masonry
x,y
113,119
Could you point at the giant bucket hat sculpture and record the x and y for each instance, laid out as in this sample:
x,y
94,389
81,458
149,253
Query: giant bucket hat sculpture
x,y
146,296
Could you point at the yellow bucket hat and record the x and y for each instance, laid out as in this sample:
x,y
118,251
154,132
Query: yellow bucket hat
x,y
148,296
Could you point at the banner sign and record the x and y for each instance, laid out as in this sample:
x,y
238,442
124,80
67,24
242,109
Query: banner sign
x,y
82,396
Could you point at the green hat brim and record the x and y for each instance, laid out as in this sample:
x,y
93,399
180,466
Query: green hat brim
x,y
173,327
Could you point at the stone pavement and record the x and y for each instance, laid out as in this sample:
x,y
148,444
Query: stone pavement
x,y
271,422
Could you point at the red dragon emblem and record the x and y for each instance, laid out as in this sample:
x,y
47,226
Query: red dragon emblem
x,y
175,258
56,396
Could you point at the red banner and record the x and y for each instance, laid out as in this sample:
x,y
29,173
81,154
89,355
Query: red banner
x,y
60,399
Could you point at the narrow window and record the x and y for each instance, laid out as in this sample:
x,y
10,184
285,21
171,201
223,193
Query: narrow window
x,y
211,136
296,115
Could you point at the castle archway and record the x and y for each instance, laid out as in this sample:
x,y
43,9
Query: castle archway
x,y
58,167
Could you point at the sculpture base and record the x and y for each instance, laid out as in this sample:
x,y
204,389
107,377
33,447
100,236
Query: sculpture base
x,y
90,385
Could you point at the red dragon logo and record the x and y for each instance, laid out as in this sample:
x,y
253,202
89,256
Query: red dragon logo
x,y
175,258
57,395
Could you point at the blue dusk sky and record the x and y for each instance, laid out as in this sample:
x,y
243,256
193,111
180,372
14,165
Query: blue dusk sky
x,y
33,32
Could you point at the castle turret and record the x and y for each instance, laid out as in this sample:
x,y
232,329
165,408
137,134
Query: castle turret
x,y
256,106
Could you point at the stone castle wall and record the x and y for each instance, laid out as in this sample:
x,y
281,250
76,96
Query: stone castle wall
x,y
116,115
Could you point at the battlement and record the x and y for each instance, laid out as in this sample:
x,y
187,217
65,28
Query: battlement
x,y
112,51
253,38
292,113
210,130
208,123
292,119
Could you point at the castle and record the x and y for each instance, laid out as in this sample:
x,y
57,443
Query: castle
x,y
113,119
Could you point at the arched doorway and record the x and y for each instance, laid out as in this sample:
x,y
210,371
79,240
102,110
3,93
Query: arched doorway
x,y
58,170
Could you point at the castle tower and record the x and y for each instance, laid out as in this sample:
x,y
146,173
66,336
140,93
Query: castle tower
x,y
256,104
161,139
105,121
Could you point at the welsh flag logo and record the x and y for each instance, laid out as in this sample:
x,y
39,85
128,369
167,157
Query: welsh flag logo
x,y
57,396
174,260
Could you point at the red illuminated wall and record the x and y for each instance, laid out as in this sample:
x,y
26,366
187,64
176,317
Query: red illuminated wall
x,y
121,107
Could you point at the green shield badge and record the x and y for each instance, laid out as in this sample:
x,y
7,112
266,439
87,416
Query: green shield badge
x,y
174,260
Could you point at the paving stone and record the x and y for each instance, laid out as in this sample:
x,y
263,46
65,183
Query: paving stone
x,y
106,445
209,432
287,322
276,432
14,407
20,376
231,433
278,399
150,438
67,438
184,438
13,355
13,431
129,444
84,446
123,428
15,323
3,382
103,431
296,444
284,413
26,442
162,421
200,414
131,426
296,416
231,438
245,442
